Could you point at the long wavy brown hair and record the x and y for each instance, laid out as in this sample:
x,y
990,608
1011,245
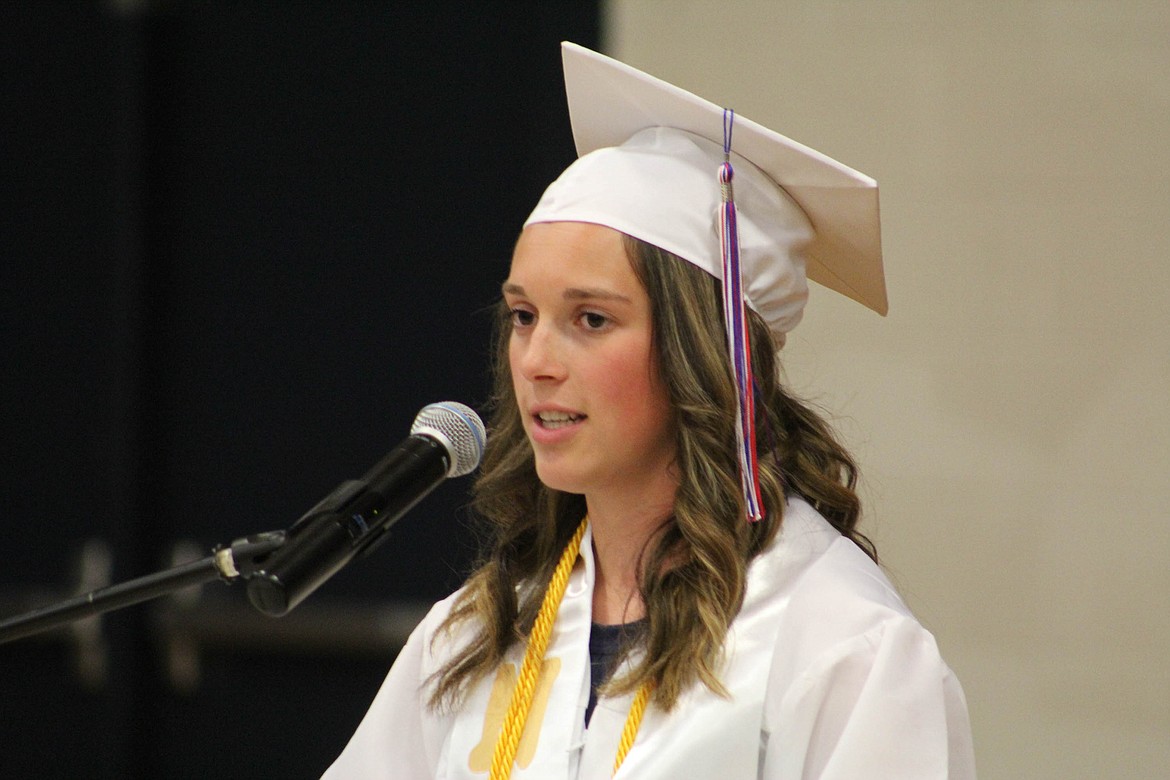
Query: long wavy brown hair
x,y
693,574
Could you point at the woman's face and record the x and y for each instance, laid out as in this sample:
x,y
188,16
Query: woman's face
x,y
583,369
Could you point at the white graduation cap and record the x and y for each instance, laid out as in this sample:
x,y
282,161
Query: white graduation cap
x,y
649,160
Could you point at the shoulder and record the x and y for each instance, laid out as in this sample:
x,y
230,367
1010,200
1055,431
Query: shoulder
x,y
837,601
826,571
401,735
438,637
811,564
433,639
855,681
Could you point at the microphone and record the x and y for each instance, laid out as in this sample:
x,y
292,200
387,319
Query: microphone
x,y
446,440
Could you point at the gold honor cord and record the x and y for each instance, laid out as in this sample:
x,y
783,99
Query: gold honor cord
x,y
633,721
517,716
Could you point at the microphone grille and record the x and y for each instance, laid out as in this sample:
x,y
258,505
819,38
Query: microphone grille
x,y
460,430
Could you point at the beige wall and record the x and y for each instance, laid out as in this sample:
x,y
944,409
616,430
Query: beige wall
x,y
1011,413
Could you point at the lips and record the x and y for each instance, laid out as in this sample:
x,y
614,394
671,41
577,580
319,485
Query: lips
x,y
554,420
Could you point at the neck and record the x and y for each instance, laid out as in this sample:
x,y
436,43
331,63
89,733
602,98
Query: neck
x,y
624,529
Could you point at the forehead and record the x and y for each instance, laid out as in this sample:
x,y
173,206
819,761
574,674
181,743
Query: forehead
x,y
572,254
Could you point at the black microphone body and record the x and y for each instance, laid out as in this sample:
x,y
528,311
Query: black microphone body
x,y
349,521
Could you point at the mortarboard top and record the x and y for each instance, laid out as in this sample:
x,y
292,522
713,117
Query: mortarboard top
x,y
609,102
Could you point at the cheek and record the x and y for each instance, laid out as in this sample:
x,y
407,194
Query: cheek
x,y
512,359
515,361
632,384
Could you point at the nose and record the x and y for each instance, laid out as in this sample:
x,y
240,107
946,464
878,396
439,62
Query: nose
x,y
537,354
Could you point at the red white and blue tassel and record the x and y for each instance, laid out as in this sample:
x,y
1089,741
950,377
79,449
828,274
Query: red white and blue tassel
x,y
738,341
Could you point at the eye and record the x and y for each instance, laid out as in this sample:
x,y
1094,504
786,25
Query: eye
x,y
521,317
594,321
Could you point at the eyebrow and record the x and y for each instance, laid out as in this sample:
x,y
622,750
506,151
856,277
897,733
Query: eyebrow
x,y
573,293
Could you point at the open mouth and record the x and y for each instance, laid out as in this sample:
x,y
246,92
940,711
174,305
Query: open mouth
x,y
554,420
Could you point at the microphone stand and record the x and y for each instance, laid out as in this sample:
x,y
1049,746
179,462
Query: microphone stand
x,y
228,563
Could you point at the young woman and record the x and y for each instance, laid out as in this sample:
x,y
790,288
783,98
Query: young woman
x,y
676,587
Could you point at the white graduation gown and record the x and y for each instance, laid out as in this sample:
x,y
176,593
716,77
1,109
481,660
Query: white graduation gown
x,y
829,676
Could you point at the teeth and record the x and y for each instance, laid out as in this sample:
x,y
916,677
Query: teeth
x,y
557,419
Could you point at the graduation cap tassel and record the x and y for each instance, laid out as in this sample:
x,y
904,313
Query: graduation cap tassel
x,y
738,339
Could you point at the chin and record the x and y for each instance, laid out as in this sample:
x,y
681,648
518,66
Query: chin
x,y
558,479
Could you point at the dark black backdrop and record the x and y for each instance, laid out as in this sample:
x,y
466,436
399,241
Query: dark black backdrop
x,y
241,245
